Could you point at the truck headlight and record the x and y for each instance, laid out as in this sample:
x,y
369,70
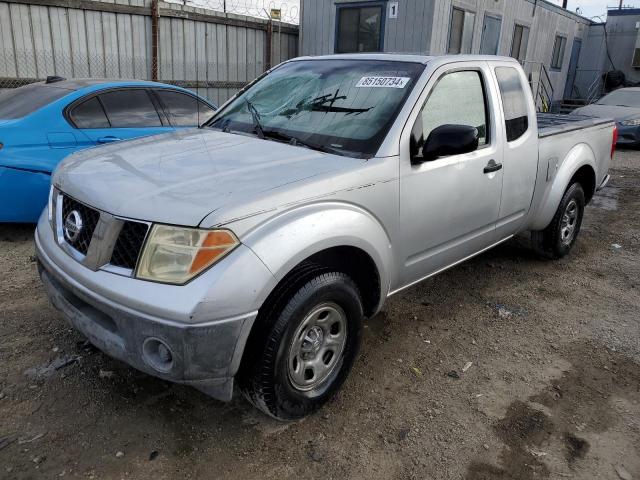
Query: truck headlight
x,y
634,122
177,254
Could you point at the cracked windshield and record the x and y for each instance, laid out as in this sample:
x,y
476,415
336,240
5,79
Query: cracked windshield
x,y
337,106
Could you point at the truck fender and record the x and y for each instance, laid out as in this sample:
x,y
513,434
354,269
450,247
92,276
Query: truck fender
x,y
554,181
288,239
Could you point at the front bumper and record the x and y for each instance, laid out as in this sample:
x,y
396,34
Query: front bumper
x,y
205,355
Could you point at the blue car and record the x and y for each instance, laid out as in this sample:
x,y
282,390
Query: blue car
x,y
42,123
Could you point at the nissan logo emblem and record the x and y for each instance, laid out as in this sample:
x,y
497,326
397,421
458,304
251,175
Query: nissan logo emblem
x,y
73,226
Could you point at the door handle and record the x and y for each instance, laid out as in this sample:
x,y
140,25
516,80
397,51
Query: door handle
x,y
108,139
492,166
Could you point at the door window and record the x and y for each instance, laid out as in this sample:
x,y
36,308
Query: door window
x,y
359,29
130,108
461,31
457,99
514,102
184,110
490,35
89,114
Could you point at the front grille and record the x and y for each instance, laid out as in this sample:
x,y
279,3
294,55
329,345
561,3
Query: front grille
x,y
127,249
81,237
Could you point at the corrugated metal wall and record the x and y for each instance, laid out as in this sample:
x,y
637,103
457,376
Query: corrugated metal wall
x,y
422,26
198,49
544,26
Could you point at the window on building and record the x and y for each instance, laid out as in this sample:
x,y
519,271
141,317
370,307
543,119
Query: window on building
x,y
359,29
514,102
130,108
89,114
490,35
461,31
457,99
520,43
558,52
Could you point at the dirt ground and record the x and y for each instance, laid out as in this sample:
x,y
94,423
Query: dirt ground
x,y
553,390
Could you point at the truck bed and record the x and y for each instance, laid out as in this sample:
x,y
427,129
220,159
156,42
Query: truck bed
x,y
553,123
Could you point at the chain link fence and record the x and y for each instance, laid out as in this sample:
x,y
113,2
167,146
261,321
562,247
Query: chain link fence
x,y
199,76
24,67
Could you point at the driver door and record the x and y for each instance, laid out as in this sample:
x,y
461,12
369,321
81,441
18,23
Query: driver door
x,y
449,206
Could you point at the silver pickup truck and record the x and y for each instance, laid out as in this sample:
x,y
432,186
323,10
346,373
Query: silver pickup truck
x,y
250,250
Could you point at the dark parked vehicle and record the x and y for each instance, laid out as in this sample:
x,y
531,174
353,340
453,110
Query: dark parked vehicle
x,y
623,106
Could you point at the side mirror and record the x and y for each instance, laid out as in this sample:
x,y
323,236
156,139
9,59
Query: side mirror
x,y
448,140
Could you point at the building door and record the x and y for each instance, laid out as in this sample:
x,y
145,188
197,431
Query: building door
x,y
490,35
573,66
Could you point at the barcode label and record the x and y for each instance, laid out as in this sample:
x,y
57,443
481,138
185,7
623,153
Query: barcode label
x,y
383,82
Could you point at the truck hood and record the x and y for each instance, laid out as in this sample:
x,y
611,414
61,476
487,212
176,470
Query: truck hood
x,y
616,112
181,177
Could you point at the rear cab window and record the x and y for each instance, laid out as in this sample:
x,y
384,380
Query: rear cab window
x,y
514,102
20,102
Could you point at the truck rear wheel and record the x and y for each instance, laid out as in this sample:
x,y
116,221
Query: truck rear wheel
x,y
304,347
556,240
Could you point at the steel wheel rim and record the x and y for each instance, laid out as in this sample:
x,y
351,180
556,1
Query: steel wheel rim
x,y
317,346
569,222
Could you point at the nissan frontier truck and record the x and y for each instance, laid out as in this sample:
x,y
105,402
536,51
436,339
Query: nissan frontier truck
x,y
245,254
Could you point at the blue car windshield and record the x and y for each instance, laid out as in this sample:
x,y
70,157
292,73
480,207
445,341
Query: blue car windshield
x,y
19,102
341,106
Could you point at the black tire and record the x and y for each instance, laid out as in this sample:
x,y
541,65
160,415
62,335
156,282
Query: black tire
x,y
553,242
265,374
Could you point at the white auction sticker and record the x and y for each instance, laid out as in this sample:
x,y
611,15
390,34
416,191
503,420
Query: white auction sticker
x,y
383,82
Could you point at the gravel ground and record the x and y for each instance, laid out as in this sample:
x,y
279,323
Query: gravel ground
x,y
552,390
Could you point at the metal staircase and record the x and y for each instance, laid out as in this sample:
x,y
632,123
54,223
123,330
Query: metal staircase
x,y
541,86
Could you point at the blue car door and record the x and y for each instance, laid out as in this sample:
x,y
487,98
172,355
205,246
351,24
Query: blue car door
x,y
118,114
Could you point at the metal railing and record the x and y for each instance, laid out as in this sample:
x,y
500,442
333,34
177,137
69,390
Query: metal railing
x,y
541,85
594,92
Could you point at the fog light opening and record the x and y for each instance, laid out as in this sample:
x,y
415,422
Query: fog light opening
x,y
157,354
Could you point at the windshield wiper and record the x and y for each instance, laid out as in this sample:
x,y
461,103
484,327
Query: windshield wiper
x,y
296,142
332,109
256,119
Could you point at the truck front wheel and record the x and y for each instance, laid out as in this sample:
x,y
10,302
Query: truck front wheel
x,y
556,240
304,346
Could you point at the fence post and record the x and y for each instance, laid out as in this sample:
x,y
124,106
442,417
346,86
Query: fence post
x,y
268,50
155,36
